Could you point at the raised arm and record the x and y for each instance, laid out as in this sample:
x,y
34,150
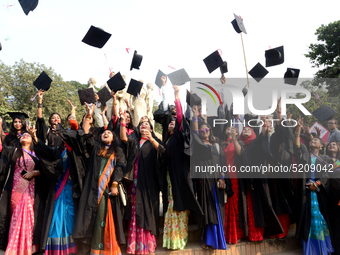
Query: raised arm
x,y
122,131
40,105
178,106
88,118
72,119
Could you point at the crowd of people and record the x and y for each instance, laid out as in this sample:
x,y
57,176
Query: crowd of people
x,y
78,189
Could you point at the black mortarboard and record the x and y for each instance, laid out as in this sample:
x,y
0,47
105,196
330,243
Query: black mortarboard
x,y
159,81
116,82
258,72
238,24
134,87
213,61
136,61
43,81
104,95
193,99
274,56
291,76
18,115
245,91
324,112
96,37
179,77
224,67
86,96
28,5
0,46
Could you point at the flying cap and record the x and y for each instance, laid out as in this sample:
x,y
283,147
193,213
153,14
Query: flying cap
x,y
96,37
43,81
28,5
104,95
179,77
213,61
136,61
258,72
245,91
238,24
291,76
18,115
324,112
86,96
224,67
274,56
159,81
134,87
116,82
193,99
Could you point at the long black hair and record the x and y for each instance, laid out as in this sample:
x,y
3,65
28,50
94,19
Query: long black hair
x,y
49,119
112,149
151,126
330,154
212,139
13,131
19,153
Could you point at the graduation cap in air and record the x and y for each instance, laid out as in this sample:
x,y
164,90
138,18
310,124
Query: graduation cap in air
x,y
104,95
238,24
179,77
224,67
193,99
134,87
158,80
274,56
116,82
86,96
324,112
291,76
96,37
258,72
43,81
136,61
18,115
245,90
28,5
213,61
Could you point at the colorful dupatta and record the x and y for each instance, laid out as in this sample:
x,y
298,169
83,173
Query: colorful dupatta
x,y
104,240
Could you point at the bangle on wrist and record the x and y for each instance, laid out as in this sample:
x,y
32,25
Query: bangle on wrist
x,y
114,185
114,103
152,140
40,105
123,124
278,112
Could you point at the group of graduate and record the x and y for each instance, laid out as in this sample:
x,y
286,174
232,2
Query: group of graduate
x,y
78,189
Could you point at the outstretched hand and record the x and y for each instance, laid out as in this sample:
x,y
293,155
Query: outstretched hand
x,y
72,106
90,109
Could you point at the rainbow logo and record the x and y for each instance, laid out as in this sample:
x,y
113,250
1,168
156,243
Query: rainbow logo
x,y
209,93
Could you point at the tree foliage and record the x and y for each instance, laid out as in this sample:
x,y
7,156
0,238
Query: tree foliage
x,y
319,97
326,55
16,86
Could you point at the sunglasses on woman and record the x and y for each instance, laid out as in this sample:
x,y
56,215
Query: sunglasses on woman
x,y
204,130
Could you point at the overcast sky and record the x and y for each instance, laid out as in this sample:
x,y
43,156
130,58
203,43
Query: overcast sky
x,y
174,33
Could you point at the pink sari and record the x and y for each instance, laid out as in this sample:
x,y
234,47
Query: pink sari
x,y
20,238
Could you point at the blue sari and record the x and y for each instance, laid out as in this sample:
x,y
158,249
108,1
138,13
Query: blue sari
x,y
60,239
319,240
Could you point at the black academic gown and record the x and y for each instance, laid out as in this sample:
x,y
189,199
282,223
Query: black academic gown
x,y
264,214
87,209
177,162
7,168
303,156
150,181
51,157
45,134
279,150
206,196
